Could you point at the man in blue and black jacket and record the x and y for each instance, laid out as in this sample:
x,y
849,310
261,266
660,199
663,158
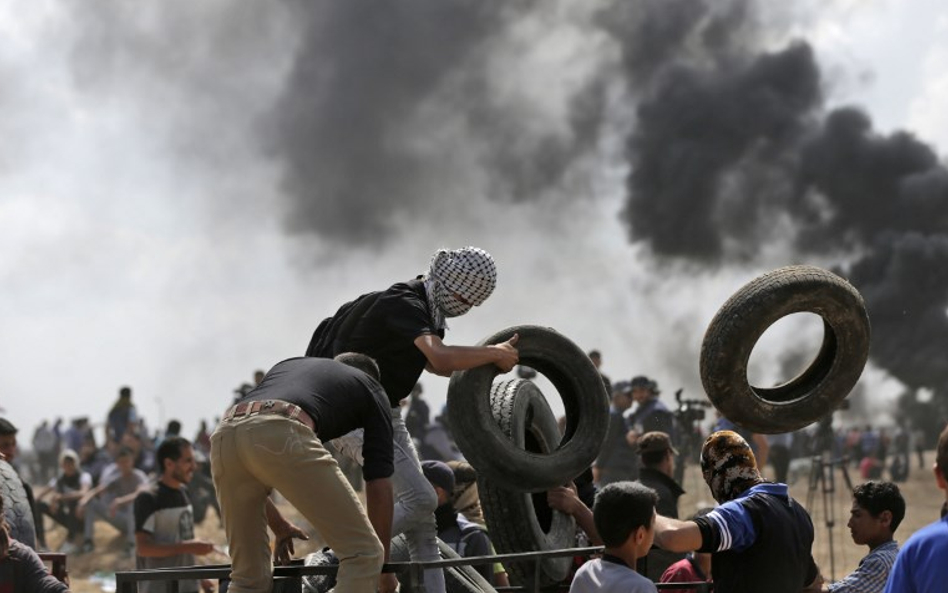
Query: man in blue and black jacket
x,y
760,538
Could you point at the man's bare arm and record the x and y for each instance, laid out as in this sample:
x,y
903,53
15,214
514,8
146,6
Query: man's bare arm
x,y
566,500
145,546
284,532
676,536
444,359
379,503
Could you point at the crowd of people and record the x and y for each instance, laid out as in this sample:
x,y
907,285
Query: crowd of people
x,y
354,401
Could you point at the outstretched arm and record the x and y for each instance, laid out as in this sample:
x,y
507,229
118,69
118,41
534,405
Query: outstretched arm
x,y
676,536
444,359
566,500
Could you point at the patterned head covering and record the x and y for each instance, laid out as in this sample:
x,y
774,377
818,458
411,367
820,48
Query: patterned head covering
x,y
728,465
469,273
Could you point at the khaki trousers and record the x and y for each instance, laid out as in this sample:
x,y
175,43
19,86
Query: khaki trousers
x,y
252,455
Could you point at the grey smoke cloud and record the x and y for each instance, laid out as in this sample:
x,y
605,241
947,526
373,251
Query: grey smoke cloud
x,y
382,120
389,107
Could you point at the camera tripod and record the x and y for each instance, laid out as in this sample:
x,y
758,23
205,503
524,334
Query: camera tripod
x,y
823,478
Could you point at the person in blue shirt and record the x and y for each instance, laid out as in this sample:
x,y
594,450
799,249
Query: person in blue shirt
x,y
921,564
878,509
759,537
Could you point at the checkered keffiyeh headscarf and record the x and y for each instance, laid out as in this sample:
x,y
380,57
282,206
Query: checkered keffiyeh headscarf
x,y
469,272
728,465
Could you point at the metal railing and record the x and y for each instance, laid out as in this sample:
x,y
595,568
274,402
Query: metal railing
x,y
57,562
291,575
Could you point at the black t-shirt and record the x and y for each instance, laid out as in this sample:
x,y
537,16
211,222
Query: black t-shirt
x,y
779,560
387,333
339,399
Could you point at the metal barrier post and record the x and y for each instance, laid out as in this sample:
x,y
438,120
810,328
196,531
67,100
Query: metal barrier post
x,y
536,575
416,576
125,584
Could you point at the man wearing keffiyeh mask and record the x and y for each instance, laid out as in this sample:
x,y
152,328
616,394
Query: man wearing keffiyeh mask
x,y
402,328
759,537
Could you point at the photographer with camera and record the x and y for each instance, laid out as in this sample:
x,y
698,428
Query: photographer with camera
x,y
688,416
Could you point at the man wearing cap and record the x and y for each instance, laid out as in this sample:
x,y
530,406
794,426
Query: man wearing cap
x,y
759,537
465,537
657,456
617,460
650,414
402,328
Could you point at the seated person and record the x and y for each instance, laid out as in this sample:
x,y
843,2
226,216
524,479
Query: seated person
x,y
60,498
878,508
113,500
624,513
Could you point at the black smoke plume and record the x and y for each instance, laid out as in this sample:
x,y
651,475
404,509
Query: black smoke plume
x,y
727,146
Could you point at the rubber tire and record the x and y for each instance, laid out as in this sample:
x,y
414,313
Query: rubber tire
x,y
521,521
586,404
16,506
820,388
457,579
320,583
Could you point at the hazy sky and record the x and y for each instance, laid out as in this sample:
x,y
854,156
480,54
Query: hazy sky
x,y
147,237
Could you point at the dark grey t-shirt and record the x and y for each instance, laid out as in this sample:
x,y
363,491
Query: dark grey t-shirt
x,y
339,399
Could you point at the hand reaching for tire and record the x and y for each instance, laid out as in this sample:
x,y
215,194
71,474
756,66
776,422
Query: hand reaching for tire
x,y
508,356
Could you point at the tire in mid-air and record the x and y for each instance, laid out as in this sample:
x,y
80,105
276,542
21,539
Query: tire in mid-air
x,y
520,521
818,390
585,403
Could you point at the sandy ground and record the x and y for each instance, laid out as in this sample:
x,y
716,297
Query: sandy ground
x,y
923,499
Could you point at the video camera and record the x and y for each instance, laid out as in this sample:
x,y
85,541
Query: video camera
x,y
690,410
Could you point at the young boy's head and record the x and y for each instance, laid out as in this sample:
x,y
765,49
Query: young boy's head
x,y
941,462
878,509
625,510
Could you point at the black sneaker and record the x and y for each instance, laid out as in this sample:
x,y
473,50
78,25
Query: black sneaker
x,y
87,546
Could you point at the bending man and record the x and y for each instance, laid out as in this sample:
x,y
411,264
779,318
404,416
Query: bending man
x,y
273,439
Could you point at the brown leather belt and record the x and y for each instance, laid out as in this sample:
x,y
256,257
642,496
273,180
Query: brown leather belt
x,y
270,406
